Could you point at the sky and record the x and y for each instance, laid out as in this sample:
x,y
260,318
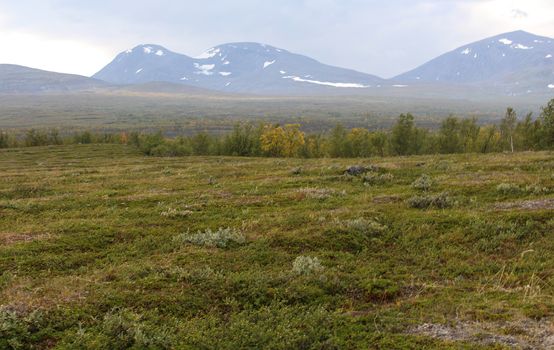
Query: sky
x,y
379,37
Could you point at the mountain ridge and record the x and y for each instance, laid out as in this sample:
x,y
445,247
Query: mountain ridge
x,y
234,67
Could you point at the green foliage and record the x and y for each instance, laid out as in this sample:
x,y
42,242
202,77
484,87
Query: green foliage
x,y
381,290
243,141
547,119
4,139
458,136
201,144
122,329
507,129
17,331
278,327
338,145
403,135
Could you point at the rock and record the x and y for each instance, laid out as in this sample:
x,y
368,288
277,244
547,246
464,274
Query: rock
x,y
296,171
356,170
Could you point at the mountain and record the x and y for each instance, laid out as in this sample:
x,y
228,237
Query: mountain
x,y
511,63
234,67
19,79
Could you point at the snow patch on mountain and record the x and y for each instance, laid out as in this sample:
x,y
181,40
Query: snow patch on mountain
x,y
551,86
160,53
268,63
225,74
204,69
147,50
208,54
505,41
327,83
138,71
548,56
467,51
521,47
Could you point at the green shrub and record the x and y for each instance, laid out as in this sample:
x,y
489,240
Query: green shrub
x,y
222,238
270,327
122,329
16,331
381,290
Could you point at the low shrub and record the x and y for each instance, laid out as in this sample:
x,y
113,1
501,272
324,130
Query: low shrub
x,y
16,331
122,329
319,193
306,265
423,183
222,238
537,189
440,201
508,189
377,179
173,213
296,171
368,227
353,236
381,290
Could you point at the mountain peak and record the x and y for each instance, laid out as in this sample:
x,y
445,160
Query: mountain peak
x,y
506,60
148,49
252,47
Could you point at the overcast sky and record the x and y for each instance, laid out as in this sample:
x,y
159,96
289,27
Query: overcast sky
x,y
373,36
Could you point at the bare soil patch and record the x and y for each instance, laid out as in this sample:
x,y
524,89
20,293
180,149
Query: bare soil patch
x,y
523,334
9,238
539,204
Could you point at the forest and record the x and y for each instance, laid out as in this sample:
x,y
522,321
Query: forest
x,y
455,135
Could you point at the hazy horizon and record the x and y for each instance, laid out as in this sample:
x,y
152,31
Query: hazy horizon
x,y
369,36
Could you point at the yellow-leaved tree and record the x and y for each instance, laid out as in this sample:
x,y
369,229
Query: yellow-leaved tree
x,y
279,141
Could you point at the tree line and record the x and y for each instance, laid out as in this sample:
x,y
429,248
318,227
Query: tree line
x,y
455,135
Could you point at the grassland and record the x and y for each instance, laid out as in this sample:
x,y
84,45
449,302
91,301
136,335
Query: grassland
x,y
179,113
99,249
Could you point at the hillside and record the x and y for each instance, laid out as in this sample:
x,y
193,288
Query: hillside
x,y
101,247
19,79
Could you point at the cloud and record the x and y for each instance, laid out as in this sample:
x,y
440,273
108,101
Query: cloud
x,y
373,36
517,13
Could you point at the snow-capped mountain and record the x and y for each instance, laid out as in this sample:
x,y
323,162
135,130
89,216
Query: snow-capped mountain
x,y
514,63
234,67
